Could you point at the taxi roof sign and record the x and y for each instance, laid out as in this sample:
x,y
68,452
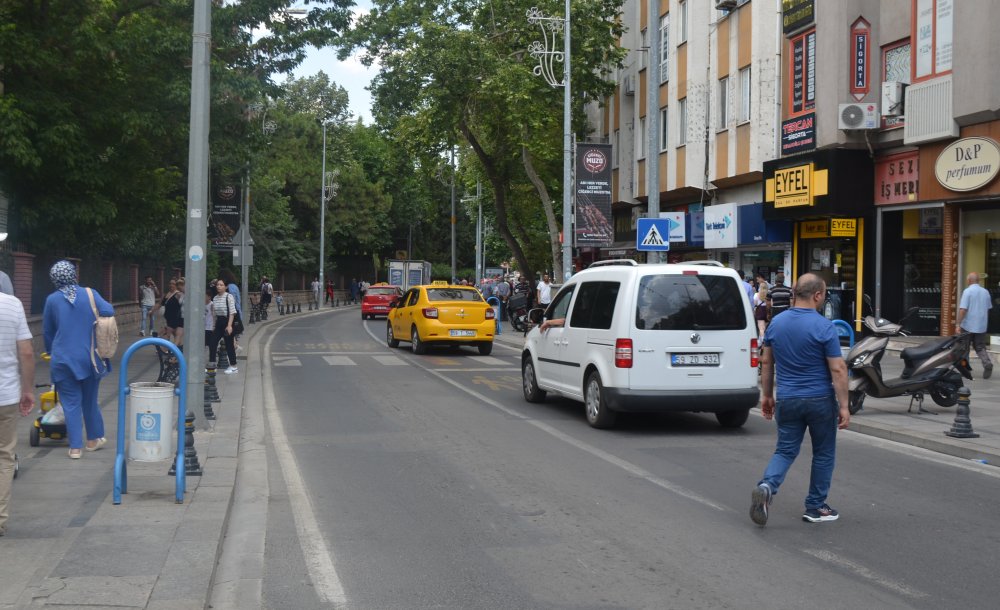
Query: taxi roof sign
x,y
439,283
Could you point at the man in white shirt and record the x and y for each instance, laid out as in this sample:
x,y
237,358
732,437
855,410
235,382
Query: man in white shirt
x,y
315,289
973,317
544,291
17,378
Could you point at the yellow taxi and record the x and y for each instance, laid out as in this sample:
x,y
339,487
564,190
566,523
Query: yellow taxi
x,y
441,314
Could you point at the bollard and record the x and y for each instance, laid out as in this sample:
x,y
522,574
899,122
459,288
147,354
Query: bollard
x,y
191,465
298,308
337,303
209,412
211,390
223,357
962,427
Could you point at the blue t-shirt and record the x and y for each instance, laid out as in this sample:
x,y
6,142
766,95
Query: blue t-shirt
x,y
977,303
801,340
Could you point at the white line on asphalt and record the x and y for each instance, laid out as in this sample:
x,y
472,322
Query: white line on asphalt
x,y
390,360
318,556
493,369
339,361
625,465
864,572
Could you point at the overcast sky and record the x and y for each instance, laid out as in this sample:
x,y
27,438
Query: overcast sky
x,y
349,74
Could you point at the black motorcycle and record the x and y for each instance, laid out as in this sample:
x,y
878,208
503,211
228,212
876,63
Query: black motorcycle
x,y
517,312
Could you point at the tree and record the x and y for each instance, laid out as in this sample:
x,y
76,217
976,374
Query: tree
x,y
458,70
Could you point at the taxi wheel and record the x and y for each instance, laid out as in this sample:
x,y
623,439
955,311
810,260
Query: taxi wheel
x,y
485,349
390,339
598,413
418,346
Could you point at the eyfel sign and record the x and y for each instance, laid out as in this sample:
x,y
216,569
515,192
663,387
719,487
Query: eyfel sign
x,y
968,164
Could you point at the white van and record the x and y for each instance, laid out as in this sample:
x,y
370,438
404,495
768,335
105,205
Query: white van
x,y
647,338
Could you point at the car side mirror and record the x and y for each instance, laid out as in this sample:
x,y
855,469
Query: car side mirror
x,y
536,315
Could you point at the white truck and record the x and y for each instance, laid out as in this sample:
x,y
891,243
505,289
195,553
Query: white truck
x,y
406,273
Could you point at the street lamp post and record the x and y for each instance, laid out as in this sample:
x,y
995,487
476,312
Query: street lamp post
x,y
547,55
326,193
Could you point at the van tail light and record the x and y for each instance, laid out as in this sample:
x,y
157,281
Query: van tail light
x,y
430,312
754,354
623,353
491,314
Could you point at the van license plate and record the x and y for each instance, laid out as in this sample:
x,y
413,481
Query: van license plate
x,y
694,359
462,333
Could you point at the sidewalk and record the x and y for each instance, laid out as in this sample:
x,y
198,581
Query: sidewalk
x,y
68,545
888,418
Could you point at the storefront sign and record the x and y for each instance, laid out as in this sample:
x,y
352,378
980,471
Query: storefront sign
x,y
897,178
695,225
720,226
593,195
843,227
968,164
753,229
860,35
798,134
796,14
677,225
796,186
811,229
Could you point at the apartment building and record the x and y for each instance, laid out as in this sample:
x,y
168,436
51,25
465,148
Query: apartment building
x,y
716,122
855,139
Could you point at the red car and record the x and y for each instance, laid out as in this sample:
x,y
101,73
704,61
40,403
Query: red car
x,y
377,299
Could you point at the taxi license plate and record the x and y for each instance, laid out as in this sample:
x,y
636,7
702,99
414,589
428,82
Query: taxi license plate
x,y
462,333
707,359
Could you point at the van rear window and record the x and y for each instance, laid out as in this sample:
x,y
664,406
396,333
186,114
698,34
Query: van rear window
x,y
690,302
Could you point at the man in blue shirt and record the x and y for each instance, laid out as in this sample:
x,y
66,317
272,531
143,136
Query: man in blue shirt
x,y
973,315
803,348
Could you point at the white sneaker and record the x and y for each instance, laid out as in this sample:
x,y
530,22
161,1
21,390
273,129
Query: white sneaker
x,y
231,370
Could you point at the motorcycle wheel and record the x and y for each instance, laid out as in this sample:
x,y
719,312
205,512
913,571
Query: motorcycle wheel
x,y
944,394
855,401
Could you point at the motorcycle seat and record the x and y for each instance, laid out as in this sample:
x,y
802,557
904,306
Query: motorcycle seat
x,y
919,353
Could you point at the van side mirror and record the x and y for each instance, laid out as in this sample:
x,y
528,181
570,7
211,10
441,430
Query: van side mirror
x,y
536,315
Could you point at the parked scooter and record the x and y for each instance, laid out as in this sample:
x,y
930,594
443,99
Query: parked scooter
x,y
935,367
517,312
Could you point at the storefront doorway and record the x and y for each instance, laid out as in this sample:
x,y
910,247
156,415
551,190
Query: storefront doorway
x,y
836,261
981,253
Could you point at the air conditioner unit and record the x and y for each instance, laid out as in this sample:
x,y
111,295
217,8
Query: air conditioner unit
x,y
629,85
725,5
858,116
892,98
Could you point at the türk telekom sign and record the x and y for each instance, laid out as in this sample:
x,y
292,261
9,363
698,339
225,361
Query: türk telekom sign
x,y
593,195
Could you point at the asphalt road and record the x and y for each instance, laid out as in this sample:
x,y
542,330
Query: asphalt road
x,y
403,481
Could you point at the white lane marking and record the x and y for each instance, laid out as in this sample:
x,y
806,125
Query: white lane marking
x,y
625,465
863,572
339,360
390,360
318,556
487,360
492,369
286,361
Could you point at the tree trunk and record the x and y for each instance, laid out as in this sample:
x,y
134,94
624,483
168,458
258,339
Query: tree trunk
x,y
550,215
499,183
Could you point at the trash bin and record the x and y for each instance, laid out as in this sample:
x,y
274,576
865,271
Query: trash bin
x,y
151,421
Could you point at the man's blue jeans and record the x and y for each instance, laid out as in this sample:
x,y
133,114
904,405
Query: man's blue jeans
x,y
793,416
146,318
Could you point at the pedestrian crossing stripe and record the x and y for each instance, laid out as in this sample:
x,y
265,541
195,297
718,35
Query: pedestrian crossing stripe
x,y
339,360
653,237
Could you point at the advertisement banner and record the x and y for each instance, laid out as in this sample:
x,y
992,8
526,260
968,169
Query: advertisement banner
x,y
678,227
225,221
593,195
721,228
798,134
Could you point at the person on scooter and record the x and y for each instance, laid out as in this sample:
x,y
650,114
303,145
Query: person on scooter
x,y
803,348
973,314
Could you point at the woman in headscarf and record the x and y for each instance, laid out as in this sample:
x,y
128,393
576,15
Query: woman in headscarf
x,y
76,369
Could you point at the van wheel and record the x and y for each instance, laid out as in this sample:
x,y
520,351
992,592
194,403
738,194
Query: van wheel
x,y
598,413
529,383
733,419
418,346
485,349
390,338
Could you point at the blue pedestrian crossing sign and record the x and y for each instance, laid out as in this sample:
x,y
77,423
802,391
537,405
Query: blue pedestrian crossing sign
x,y
652,235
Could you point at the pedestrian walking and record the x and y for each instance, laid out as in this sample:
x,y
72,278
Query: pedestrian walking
x,y
76,369
173,306
17,377
148,295
354,290
210,341
801,356
224,306
760,308
266,290
779,296
315,290
973,316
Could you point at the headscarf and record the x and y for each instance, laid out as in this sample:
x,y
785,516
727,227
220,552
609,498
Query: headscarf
x,y
63,275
